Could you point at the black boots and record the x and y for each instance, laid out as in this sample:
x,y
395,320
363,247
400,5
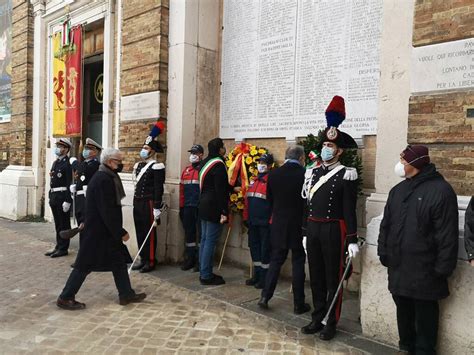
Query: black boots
x,y
312,328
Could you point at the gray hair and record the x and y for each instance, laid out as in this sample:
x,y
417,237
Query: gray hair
x,y
294,152
108,154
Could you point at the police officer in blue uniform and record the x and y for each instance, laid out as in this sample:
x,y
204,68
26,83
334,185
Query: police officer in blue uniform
x,y
149,177
331,194
83,172
188,206
59,197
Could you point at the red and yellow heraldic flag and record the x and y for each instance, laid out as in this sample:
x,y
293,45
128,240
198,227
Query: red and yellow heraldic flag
x,y
67,80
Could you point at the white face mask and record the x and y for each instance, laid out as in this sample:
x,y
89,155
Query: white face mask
x,y
193,158
262,168
400,170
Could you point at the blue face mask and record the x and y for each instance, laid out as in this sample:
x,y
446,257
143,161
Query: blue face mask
x,y
144,153
327,153
86,153
57,151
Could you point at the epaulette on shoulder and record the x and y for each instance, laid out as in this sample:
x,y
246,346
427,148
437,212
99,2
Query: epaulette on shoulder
x,y
350,174
158,166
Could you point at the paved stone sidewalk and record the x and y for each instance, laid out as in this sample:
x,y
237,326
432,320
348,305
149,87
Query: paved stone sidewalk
x,y
172,320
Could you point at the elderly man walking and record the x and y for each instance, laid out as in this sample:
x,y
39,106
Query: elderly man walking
x,y
284,194
102,247
418,243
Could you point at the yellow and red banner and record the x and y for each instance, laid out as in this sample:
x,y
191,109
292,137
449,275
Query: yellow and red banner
x,y
67,80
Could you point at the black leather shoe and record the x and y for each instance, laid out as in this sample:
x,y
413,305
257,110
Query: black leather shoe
x,y
252,281
138,266
196,267
50,252
312,328
263,303
70,305
137,297
59,253
301,308
147,268
213,281
188,264
328,332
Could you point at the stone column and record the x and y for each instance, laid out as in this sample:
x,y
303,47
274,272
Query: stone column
x,y
193,95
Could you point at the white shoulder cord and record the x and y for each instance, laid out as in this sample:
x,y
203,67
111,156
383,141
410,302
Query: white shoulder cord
x,y
308,177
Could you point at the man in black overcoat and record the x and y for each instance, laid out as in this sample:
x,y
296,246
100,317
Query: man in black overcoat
x,y
469,232
418,243
102,247
284,194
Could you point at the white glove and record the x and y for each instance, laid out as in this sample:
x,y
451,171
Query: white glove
x,y
72,160
72,188
353,250
156,213
66,206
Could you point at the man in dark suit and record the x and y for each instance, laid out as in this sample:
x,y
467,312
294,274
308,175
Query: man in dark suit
x,y
284,194
102,247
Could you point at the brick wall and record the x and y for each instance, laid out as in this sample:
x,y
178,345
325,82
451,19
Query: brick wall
x,y
15,136
439,121
144,66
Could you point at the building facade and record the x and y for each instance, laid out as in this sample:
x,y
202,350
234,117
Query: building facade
x,y
145,60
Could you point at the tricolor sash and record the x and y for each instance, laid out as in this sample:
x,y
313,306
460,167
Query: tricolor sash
x,y
206,168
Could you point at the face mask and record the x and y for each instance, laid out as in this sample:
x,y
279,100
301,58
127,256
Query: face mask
x,y
144,153
57,151
400,170
119,168
86,153
193,158
262,168
327,153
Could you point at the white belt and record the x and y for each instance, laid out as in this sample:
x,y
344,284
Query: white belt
x,y
57,189
80,192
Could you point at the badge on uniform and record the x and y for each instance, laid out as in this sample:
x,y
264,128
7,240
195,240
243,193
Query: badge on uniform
x,y
82,177
59,175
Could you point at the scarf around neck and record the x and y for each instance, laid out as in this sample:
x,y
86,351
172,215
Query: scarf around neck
x,y
119,190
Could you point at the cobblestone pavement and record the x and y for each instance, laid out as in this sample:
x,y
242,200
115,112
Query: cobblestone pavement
x,y
172,320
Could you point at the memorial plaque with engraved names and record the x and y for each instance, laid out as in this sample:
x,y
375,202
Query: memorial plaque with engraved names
x,y
283,61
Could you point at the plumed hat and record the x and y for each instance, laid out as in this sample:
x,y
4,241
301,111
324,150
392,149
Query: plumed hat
x,y
335,115
151,141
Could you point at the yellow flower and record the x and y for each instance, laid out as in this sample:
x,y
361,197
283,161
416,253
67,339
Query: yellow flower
x,y
256,158
253,152
240,206
239,195
248,160
262,151
233,197
255,172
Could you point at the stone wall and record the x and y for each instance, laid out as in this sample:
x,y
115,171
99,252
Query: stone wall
x,y
144,66
15,136
440,120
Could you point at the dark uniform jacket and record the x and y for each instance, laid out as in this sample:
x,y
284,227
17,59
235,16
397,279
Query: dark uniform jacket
x,y
419,236
284,194
257,207
214,199
336,199
150,186
101,244
61,177
469,230
85,170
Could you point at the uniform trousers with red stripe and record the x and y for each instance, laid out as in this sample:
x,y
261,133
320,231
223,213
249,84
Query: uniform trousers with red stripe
x,y
143,218
325,249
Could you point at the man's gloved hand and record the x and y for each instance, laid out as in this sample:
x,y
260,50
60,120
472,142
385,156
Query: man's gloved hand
x,y
72,160
72,188
353,250
156,213
66,206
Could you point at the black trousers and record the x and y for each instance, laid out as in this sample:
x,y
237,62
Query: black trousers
x,y
325,249
277,258
80,208
77,278
192,230
143,218
417,322
61,222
